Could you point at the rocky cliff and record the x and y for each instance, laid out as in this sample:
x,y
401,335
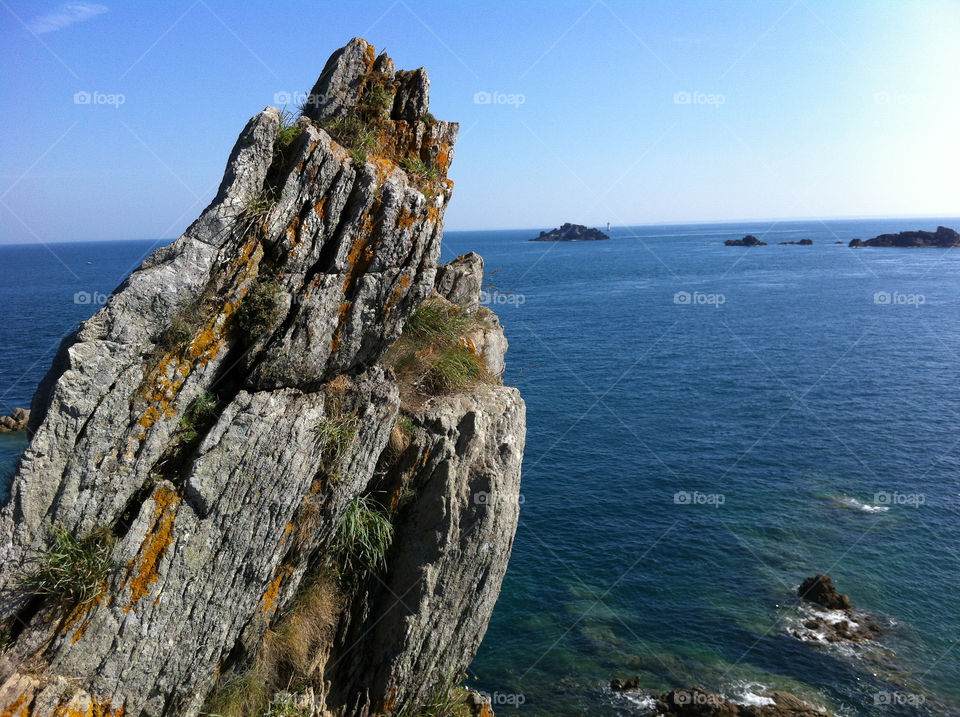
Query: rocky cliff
x,y
277,472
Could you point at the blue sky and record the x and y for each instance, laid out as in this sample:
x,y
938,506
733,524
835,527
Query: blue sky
x,y
627,112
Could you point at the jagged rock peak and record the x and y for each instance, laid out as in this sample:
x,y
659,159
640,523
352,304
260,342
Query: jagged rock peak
x,y
202,438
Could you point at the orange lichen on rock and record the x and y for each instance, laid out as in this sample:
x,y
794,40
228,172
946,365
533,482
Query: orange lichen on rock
x,y
273,589
142,571
342,315
95,708
397,292
319,206
15,707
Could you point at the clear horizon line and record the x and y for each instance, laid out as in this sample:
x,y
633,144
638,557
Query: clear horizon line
x,y
842,217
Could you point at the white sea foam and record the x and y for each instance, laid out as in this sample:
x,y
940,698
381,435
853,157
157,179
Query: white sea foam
x,y
858,505
751,693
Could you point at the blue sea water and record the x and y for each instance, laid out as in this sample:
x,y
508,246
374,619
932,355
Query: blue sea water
x,y
707,426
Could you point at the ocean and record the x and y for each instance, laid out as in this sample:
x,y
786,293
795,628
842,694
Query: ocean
x,y
707,426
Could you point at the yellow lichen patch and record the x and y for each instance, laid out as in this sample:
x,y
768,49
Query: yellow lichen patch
x,y
443,158
342,315
15,707
370,56
96,707
81,615
273,589
405,219
142,571
383,167
397,292
319,207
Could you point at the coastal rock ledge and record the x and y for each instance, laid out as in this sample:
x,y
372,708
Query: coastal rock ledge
x,y
277,473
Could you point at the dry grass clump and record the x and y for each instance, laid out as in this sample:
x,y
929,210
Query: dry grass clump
x,y
289,658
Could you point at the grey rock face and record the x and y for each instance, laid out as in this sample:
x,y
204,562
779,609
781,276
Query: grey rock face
x,y
449,555
273,310
461,280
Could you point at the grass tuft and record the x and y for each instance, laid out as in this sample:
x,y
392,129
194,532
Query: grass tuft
x,y
260,311
447,700
363,537
289,129
74,570
433,356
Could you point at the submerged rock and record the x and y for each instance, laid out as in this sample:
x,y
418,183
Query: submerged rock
x,y
16,421
749,240
942,238
837,622
819,589
571,232
214,435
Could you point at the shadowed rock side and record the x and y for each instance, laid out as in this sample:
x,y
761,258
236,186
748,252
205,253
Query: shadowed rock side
x,y
204,438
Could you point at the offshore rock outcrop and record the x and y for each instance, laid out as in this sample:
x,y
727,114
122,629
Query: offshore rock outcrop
x,y
942,238
571,232
218,418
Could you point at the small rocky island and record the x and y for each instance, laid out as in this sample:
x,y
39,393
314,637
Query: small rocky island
x,y
571,232
748,240
802,242
942,238
834,619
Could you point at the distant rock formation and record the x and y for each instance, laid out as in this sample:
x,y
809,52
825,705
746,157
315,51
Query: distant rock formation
x,y
696,702
571,232
942,238
802,242
16,421
748,240
839,622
